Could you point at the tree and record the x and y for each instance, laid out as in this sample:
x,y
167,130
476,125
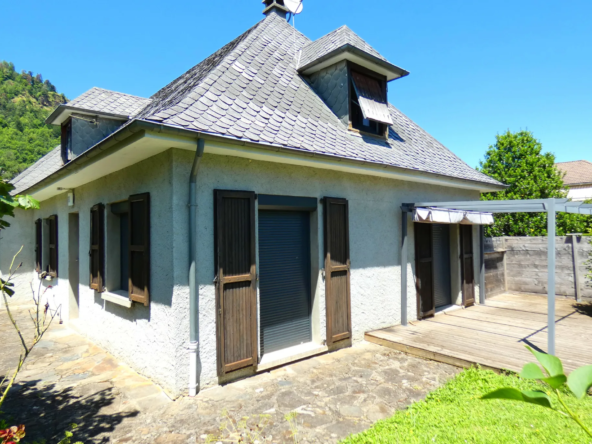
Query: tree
x,y
517,159
25,102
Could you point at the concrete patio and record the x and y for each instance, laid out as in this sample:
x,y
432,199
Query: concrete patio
x,y
69,380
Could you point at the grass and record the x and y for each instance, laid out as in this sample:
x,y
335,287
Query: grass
x,y
455,414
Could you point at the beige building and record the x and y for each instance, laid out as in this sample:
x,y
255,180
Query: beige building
x,y
578,179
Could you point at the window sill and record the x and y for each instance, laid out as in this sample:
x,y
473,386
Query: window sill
x,y
117,297
366,134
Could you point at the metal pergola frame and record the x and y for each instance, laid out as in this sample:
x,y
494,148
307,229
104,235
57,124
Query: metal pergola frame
x,y
549,206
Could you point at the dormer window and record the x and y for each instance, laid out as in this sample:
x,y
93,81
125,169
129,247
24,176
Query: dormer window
x,y
66,141
369,112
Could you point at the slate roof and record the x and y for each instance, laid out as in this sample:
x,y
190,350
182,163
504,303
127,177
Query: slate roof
x,y
332,41
251,90
578,172
112,102
41,169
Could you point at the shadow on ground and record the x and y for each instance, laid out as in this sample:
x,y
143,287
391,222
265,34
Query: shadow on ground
x,y
585,308
47,411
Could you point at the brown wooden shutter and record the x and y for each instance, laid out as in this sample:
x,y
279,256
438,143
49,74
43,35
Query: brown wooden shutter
x,y
139,248
53,246
38,245
337,270
97,247
236,280
467,266
424,271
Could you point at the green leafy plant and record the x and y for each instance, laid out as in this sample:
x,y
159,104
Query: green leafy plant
x,y
517,159
553,377
69,435
9,203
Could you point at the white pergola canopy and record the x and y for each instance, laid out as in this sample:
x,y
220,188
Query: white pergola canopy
x,y
480,212
445,216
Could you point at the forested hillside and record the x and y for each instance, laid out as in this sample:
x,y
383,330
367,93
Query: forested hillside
x,y
25,101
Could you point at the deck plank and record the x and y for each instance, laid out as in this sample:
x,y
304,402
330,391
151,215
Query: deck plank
x,y
494,335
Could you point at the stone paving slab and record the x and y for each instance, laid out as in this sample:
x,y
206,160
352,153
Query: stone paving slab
x,y
70,380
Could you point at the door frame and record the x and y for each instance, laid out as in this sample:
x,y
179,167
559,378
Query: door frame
x,y
432,311
466,302
73,265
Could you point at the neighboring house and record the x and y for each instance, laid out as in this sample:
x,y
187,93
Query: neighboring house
x,y
247,214
578,179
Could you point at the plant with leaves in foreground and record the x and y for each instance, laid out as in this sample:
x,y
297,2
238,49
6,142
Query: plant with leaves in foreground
x,y
578,382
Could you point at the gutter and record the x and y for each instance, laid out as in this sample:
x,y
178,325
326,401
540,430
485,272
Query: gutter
x,y
193,288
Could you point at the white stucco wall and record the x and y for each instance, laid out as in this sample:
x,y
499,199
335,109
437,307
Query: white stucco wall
x,y
153,340
580,193
375,234
147,338
21,233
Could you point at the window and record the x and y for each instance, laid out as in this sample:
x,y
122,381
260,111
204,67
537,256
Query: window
x,y
369,106
46,245
66,141
125,251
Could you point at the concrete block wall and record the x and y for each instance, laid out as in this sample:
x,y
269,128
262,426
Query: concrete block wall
x,y
526,265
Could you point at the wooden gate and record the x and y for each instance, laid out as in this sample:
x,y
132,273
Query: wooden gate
x,y
424,271
236,280
337,270
467,265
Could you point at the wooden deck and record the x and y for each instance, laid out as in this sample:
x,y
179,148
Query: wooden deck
x,y
494,335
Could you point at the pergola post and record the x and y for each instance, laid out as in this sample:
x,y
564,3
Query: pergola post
x,y
404,315
482,265
551,221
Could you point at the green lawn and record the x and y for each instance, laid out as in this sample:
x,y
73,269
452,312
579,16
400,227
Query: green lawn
x,y
455,414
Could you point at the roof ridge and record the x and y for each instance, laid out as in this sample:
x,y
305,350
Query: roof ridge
x,y
574,161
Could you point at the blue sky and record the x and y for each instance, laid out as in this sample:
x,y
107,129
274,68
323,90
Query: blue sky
x,y
478,68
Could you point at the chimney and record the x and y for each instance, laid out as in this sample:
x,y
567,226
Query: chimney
x,y
275,7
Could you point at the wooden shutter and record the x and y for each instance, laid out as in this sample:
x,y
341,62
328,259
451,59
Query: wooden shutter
x,y
424,271
467,266
337,270
52,245
38,245
97,247
139,248
236,280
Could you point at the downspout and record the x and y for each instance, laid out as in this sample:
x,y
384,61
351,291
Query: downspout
x,y
193,285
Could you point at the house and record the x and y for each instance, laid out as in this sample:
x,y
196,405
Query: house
x,y
578,179
245,215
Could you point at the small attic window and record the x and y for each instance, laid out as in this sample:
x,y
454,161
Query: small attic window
x,y
369,106
66,141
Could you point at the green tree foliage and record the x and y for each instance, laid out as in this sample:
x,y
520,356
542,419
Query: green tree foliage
x,y
9,203
25,102
517,160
